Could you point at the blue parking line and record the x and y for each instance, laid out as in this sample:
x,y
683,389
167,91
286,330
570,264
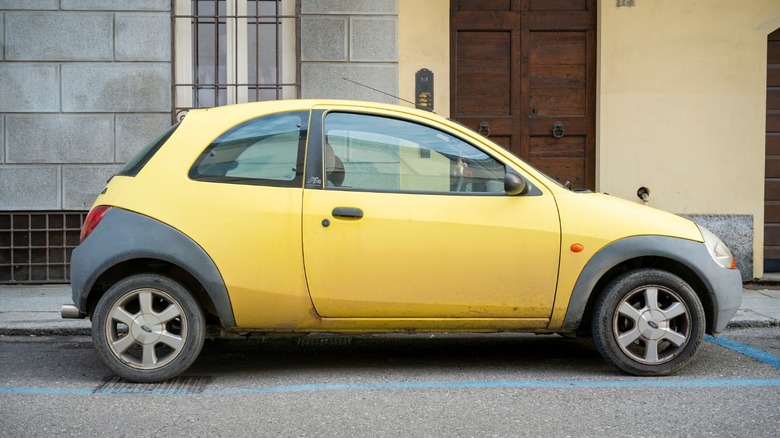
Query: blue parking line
x,y
533,384
395,386
747,350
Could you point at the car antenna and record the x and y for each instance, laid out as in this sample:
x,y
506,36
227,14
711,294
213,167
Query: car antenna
x,y
387,94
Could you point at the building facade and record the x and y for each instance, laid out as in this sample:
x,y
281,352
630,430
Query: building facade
x,y
679,97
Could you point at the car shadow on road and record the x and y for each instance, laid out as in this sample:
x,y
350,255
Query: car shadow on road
x,y
423,353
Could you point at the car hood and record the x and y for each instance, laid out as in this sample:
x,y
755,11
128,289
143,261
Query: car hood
x,y
601,219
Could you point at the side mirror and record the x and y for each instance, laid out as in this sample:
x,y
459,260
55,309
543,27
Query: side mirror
x,y
515,184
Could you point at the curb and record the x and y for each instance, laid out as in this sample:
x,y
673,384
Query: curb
x,y
45,331
760,323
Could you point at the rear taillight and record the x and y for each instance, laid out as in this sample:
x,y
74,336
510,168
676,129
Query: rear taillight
x,y
93,219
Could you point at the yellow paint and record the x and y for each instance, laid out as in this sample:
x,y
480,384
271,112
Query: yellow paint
x,y
471,263
595,220
262,265
460,256
424,42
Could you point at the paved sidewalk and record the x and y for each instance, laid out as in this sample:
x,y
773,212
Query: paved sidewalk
x,y
760,307
35,310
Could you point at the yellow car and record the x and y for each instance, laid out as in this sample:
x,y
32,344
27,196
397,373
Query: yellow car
x,y
306,216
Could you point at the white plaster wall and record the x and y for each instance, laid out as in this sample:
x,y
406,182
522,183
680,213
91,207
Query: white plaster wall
x,y
681,105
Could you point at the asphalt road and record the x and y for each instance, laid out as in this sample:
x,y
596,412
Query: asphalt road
x,y
399,385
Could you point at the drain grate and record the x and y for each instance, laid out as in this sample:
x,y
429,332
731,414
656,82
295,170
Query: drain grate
x,y
175,386
330,341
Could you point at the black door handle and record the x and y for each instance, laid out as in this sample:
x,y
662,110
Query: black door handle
x,y
355,213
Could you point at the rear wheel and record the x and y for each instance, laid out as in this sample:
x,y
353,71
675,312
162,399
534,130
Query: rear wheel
x,y
648,322
148,328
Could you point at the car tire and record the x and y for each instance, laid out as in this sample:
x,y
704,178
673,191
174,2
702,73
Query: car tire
x,y
148,328
648,322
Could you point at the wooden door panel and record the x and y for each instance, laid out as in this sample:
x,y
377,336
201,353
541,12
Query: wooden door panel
x,y
773,98
772,189
554,101
554,48
483,5
484,73
564,158
558,5
484,21
557,73
522,66
772,159
771,253
544,126
773,50
772,167
772,211
772,144
773,75
773,121
772,235
559,20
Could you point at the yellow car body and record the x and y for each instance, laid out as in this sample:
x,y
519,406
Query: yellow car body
x,y
412,260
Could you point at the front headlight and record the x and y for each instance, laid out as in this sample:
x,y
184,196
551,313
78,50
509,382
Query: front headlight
x,y
718,250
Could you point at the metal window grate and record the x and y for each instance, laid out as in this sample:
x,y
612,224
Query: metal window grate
x,y
234,51
35,247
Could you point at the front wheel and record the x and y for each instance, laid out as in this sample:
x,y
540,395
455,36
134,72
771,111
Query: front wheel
x,y
648,322
148,328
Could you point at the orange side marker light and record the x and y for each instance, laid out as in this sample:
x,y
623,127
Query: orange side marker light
x,y
576,247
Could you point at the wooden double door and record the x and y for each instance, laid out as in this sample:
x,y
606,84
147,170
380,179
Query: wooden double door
x,y
524,73
772,169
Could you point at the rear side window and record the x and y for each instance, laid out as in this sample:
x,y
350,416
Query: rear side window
x,y
132,167
267,150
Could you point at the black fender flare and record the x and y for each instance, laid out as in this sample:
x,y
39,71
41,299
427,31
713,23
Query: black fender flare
x,y
723,286
123,235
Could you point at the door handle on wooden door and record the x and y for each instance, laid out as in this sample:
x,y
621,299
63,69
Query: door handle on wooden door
x,y
557,130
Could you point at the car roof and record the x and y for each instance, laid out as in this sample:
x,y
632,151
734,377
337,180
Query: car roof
x,y
271,106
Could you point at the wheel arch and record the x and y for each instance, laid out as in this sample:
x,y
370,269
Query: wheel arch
x,y
126,243
136,266
687,259
663,263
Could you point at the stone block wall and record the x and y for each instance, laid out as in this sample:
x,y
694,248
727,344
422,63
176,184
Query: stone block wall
x,y
353,39
84,84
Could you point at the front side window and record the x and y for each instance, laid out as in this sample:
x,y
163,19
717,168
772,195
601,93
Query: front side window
x,y
263,151
364,152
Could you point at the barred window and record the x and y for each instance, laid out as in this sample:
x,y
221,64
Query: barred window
x,y
234,51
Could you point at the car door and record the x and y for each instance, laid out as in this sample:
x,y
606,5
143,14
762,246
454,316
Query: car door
x,y
411,221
